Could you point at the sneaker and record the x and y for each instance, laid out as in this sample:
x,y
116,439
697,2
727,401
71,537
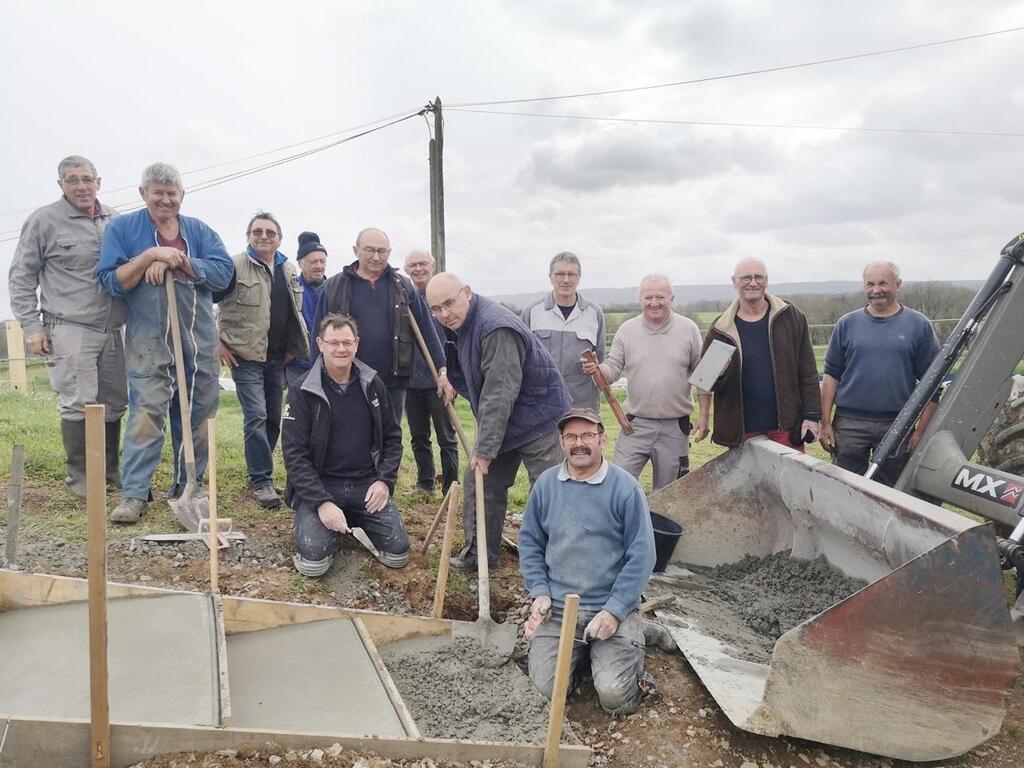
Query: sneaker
x,y
128,511
266,497
648,688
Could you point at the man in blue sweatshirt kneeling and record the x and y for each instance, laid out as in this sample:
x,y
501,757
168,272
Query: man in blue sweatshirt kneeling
x,y
587,529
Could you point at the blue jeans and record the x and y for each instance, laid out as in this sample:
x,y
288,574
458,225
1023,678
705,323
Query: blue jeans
x,y
314,541
260,389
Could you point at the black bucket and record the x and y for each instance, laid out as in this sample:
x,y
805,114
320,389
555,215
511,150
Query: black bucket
x,y
666,536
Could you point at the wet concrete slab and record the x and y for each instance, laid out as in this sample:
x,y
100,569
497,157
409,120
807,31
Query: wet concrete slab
x,y
162,660
315,677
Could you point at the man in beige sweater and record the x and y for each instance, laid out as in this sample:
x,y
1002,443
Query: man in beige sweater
x,y
658,350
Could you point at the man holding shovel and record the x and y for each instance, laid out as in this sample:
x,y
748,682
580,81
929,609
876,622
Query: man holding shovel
x,y
516,393
342,447
587,530
138,251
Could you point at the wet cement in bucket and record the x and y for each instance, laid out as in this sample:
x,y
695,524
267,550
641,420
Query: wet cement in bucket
x,y
458,689
749,604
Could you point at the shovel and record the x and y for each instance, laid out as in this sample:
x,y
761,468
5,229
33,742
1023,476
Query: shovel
x,y
192,506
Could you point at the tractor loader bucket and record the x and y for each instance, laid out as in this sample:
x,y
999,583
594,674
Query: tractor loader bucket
x,y
916,665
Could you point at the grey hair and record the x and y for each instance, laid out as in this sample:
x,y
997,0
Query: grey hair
x,y
655,277
892,266
72,161
161,173
363,231
565,257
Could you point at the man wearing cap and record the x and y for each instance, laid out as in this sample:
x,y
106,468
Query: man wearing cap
x,y
516,394
587,530
72,320
261,325
312,260
422,403
569,325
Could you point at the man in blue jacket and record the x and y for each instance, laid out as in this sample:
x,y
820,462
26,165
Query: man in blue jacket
x,y
587,530
516,393
138,250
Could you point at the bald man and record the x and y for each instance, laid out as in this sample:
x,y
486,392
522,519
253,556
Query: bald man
x,y
517,395
770,387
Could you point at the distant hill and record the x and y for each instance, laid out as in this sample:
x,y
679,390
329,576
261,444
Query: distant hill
x,y
612,297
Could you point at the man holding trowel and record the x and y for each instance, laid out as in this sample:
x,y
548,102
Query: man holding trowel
x,y
770,386
138,251
342,447
516,393
587,530
658,351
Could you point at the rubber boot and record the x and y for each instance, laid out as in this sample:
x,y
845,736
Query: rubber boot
x,y
113,438
72,433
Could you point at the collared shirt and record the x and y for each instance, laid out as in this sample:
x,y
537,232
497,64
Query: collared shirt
x,y
595,479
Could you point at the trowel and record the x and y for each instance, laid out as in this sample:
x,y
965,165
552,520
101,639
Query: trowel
x,y
360,535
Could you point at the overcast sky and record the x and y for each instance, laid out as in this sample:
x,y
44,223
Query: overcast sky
x,y
197,84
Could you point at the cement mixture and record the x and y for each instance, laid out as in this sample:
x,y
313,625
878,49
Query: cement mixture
x,y
458,689
751,603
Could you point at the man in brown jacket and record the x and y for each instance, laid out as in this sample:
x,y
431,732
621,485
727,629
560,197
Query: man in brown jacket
x,y
770,386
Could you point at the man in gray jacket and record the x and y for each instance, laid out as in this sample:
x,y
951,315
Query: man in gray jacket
x,y
73,320
261,328
568,325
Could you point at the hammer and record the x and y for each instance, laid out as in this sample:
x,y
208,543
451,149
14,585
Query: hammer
x,y
602,384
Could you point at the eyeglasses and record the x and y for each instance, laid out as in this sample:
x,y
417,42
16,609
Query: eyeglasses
x,y
335,343
751,278
372,251
74,181
445,306
271,233
566,275
586,437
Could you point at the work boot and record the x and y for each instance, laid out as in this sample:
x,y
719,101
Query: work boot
x,y
266,496
113,438
72,433
466,561
128,511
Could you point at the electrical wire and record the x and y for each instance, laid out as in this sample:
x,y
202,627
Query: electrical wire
x,y
747,73
932,131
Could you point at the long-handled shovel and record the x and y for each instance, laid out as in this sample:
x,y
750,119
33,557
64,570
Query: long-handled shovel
x,y
191,506
485,630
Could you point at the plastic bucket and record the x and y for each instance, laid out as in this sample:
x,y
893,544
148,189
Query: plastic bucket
x,y
666,536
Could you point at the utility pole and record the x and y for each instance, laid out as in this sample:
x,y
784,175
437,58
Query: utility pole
x,y
437,187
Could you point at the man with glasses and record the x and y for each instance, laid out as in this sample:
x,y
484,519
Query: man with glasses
x,y
379,299
587,529
72,320
770,386
261,328
516,393
568,325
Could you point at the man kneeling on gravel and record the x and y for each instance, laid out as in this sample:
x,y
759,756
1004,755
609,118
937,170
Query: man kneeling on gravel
x,y
587,530
342,447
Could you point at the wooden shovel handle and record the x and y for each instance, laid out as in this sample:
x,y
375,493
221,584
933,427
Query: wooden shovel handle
x,y
184,407
602,384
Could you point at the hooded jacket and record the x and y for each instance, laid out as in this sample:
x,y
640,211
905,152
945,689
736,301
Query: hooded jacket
x,y
794,370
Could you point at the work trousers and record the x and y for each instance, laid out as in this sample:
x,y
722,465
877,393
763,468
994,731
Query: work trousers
x,y
615,664
260,390
423,406
660,441
314,541
397,395
149,399
87,366
856,440
538,455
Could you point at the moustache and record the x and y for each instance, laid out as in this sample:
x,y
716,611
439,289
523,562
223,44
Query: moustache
x,y
580,450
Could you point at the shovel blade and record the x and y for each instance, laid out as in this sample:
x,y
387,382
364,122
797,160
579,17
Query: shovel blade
x,y
500,638
191,507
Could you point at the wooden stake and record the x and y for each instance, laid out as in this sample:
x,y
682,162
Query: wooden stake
x,y
96,506
454,503
437,521
563,666
211,469
16,356
14,504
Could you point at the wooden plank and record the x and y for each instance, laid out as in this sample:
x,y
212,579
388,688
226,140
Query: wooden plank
x,y
563,665
26,590
39,743
222,661
14,504
211,473
454,503
96,507
437,520
404,716
16,356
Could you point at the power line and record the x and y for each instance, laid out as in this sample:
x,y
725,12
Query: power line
x,y
932,131
747,73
